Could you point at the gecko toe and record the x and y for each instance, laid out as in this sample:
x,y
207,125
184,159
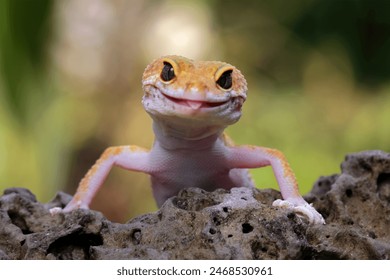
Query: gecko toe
x,y
55,210
305,211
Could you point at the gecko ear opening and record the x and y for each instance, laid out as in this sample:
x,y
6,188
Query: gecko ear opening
x,y
167,73
225,80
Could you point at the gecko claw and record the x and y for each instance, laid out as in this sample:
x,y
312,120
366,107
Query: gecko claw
x,y
305,210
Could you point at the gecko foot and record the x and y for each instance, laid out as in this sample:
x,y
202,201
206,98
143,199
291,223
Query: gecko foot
x,y
305,210
55,210
70,207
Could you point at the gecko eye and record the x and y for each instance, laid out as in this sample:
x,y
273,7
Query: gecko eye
x,y
167,73
225,80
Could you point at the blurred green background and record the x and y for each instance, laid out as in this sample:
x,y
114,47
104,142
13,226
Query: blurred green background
x,y
318,74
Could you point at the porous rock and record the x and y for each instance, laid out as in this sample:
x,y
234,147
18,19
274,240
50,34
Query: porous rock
x,y
235,224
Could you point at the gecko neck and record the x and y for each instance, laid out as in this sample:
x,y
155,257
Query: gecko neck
x,y
191,135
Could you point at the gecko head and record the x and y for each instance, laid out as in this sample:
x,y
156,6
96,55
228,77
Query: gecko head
x,y
181,90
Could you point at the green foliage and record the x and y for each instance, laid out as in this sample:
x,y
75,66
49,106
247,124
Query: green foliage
x,y
362,27
31,144
273,36
24,32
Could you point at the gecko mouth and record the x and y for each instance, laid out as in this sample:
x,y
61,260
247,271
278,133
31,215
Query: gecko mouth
x,y
195,104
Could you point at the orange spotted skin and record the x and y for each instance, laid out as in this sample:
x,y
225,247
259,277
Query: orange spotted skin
x,y
201,75
108,153
191,103
288,173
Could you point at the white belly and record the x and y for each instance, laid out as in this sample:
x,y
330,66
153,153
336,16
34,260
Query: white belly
x,y
204,169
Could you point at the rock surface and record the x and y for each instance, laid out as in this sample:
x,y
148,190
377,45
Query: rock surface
x,y
236,224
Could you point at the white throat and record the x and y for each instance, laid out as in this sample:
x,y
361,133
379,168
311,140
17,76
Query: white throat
x,y
191,135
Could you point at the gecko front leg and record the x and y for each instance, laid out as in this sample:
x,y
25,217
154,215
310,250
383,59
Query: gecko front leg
x,y
254,157
128,157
